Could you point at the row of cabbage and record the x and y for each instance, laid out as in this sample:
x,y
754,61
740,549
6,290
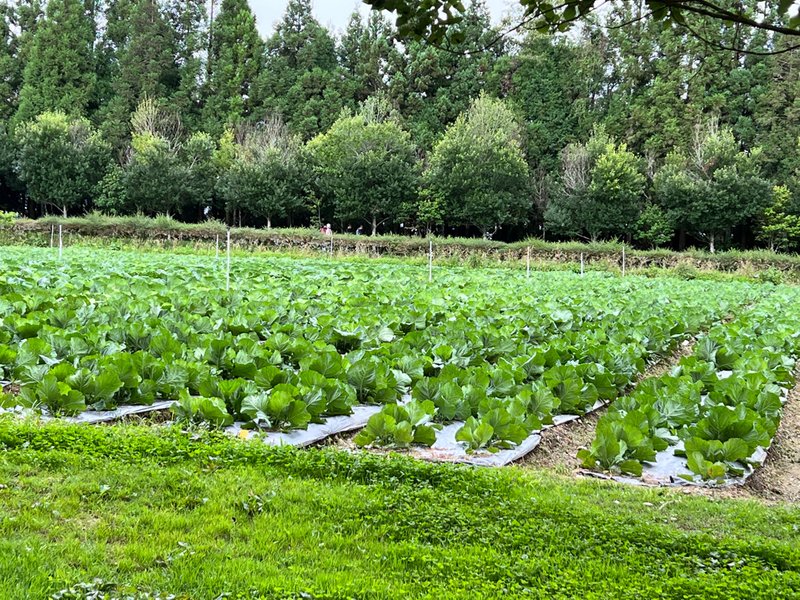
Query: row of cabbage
x,y
295,342
718,408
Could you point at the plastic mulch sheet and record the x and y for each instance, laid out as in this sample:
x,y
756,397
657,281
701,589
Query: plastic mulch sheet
x,y
668,468
104,416
93,417
316,432
447,449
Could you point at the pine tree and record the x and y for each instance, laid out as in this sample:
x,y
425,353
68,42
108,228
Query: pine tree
x,y
547,82
9,65
189,21
300,81
59,74
147,63
365,54
137,60
778,116
235,61
432,86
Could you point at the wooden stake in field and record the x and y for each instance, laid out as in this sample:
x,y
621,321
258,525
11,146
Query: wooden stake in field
x,y
60,243
581,264
52,234
331,245
528,262
430,261
228,269
217,256
623,260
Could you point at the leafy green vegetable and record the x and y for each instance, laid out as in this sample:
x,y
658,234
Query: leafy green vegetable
x,y
400,426
197,409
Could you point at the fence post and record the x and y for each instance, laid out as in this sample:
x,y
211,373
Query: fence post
x,y
228,269
581,263
60,243
52,234
217,256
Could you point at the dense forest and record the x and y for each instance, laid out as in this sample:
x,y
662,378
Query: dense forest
x,y
623,128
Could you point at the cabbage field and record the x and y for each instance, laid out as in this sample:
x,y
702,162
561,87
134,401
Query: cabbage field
x,y
488,357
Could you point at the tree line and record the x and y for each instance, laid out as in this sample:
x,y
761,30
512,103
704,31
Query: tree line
x,y
623,129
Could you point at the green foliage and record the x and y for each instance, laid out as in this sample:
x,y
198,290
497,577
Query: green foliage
x,y
301,80
151,185
7,218
497,429
196,409
653,227
778,227
59,72
235,62
278,410
61,159
279,357
601,191
265,175
54,395
716,189
399,426
722,420
366,163
436,21
478,171
166,494
433,85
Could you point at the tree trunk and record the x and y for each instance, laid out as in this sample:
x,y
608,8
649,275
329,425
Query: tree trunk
x,y
374,225
711,244
269,222
682,239
64,210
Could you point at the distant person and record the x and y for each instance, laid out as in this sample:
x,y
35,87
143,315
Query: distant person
x,y
327,229
360,230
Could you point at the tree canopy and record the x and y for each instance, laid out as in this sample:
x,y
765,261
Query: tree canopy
x,y
432,20
507,130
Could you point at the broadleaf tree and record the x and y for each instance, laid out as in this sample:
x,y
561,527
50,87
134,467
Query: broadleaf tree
x,y
61,159
478,170
367,164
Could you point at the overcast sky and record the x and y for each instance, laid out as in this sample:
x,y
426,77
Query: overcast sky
x,y
334,14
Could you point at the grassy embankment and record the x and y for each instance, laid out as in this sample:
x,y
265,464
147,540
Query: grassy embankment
x,y
167,233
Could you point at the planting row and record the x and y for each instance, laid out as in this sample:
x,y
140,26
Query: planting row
x,y
296,342
716,411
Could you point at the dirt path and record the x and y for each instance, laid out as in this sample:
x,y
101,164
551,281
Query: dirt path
x,y
559,446
779,477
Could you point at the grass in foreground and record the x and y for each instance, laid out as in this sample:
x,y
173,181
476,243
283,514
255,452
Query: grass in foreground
x,y
199,515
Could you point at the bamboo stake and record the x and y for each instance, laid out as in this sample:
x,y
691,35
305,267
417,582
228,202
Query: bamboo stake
x,y
228,270
528,262
430,261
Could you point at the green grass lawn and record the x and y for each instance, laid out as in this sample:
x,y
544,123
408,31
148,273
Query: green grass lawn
x,y
159,512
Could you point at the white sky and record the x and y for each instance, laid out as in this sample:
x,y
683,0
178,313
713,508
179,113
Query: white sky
x,y
334,14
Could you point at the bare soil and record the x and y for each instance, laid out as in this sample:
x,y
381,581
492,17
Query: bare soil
x,y
779,477
559,446
11,388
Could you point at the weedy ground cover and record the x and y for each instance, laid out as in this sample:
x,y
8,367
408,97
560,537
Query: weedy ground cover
x,y
199,515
